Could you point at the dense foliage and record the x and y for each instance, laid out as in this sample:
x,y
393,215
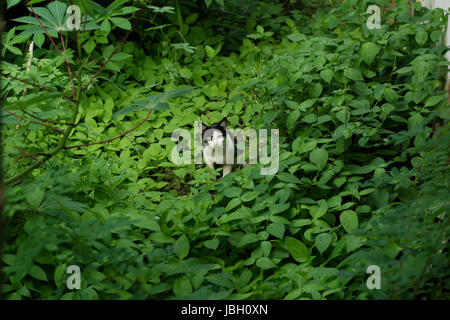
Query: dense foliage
x,y
363,174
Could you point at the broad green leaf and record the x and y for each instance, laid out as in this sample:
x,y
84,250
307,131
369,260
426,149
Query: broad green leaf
x,y
38,273
121,23
34,197
11,3
211,244
276,229
232,192
319,157
323,240
327,75
145,222
265,263
421,37
369,51
292,119
297,249
349,220
182,287
181,247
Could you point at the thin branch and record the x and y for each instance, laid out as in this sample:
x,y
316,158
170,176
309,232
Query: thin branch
x,y
112,139
40,123
36,85
85,21
114,52
68,67
63,140
49,126
14,114
43,28
44,120
18,182
27,155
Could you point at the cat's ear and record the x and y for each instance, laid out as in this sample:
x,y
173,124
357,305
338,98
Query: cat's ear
x,y
204,127
223,123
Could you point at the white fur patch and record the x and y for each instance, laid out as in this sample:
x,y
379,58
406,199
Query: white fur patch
x,y
214,153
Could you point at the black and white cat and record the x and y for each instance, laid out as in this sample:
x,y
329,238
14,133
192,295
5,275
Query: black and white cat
x,y
219,146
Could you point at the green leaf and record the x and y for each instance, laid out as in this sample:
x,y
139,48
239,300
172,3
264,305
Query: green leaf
x,y
354,74
11,3
233,204
319,157
349,220
296,37
182,287
327,75
34,197
292,119
38,273
160,237
105,26
181,247
288,177
276,229
211,244
239,214
369,51
318,211
436,35
434,100
323,240
249,196
145,222
297,249
277,208
121,23
232,192
247,239
221,279
265,263
421,37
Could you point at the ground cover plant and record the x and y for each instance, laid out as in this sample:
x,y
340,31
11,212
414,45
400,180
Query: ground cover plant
x,y
87,121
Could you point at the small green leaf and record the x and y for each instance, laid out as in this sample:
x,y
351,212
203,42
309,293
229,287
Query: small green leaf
x,y
35,197
265,263
421,37
292,119
349,220
11,3
146,222
121,23
297,249
249,196
232,192
318,211
369,50
276,229
434,100
436,35
182,287
38,273
319,157
211,244
323,241
181,247
327,75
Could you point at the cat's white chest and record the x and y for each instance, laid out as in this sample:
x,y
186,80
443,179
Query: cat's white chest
x,y
218,152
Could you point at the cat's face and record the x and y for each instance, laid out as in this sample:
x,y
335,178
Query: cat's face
x,y
214,135
212,138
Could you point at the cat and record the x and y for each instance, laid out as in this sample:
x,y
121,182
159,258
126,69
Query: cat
x,y
219,146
